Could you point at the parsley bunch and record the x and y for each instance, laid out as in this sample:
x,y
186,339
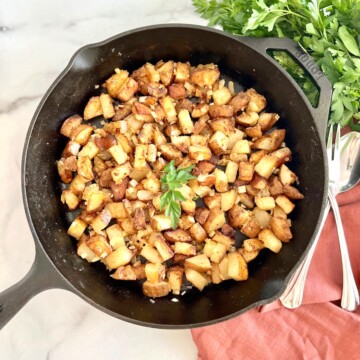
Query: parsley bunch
x,y
171,180
327,29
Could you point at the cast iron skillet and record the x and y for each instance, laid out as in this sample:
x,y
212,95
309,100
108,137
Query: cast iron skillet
x,y
245,61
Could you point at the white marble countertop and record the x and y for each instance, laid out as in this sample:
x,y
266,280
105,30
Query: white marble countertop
x,y
37,39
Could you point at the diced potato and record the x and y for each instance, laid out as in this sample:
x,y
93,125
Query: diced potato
x,y
215,220
197,279
237,267
205,76
84,167
163,248
238,216
292,193
213,201
116,236
188,206
101,221
127,90
125,273
231,171
93,108
128,226
209,247
71,200
166,72
266,166
246,170
223,268
282,155
218,143
248,255
253,244
247,119
114,83
146,134
107,106
221,111
151,153
99,245
221,183
228,200
278,212
255,157
225,125
77,186
201,214
265,203
218,253
65,174
240,101
223,239
253,132
234,138
119,257
154,272
139,218
181,142
142,113
77,228
171,152
281,229
160,222
90,150
286,176
199,111
221,96
81,134
95,201
257,102
240,148
159,289
85,252
175,275
184,248
117,210
152,74
270,240
198,233
151,254
262,217
186,221
177,235
182,72
251,228
285,204
246,200
203,167
169,109
267,120
199,263
185,122
70,124
199,153
215,274
118,153
259,182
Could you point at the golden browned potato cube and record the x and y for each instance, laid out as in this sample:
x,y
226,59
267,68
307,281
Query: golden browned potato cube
x,y
257,102
186,221
128,226
72,148
253,244
119,173
95,201
127,90
84,168
151,153
292,193
262,217
85,252
156,289
237,267
266,142
255,157
270,240
223,268
139,218
246,200
198,233
228,200
93,108
171,152
251,228
114,83
151,254
218,143
285,204
282,155
248,255
146,134
278,212
199,263
240,101
154,272
125,273
175,277
221,183
240,148
181,142
224,125
185,122
221,96
209,247
215,220
231,171
118,153
65,174
246,170
142,113
116,236
205,180
90,150
184,248
267,120
101,221
177,235
201,214
119,257
107,106
182,72
265,203
238,216
215,274
70,124
266,166
81,134
117,210
188,206
259,182
160,222
197,279
253,132
99,245
286,176
234,138
223,239
221,111
169,109
152,74
77,228
140,157
218,253
166,72
163,248
71,200
205,77
281,229
77,186
247,119
199,153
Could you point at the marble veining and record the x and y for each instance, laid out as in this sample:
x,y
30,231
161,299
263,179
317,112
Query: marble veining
x,y
37,40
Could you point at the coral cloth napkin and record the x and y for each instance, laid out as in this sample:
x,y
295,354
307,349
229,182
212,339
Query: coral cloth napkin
x,y
319,329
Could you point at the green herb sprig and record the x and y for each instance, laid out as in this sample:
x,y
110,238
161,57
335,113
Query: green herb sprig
x,y
171,180
329,30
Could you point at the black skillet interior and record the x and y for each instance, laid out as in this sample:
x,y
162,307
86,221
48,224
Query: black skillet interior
x,y
91,66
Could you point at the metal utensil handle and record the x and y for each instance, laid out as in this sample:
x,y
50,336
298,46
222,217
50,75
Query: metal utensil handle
x,y
41,276
293,295
350,294
307,63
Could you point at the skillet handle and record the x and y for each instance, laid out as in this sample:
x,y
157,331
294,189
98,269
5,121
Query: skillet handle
x,y
307,63
41,276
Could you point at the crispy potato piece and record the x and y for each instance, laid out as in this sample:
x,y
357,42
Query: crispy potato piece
x,y
198,233
101,221
199,153
266,166
281,229
121,112
221,183
125,273
221,111
205,76
81,134
279,212
146,134
199,111
196,278
169,109
246,170
181,142
182,72
65,174
175,275
151,254
201,215
90,150
93,108
85,252
285,204
184,248
177,235
77,186
231,171
186,221
71,149
177,91
203,167
223,268
199,263
270,240
292,193
255,157
114,83
128,226
257,102
118,153
77,228
282,155
238,216
237,267
70,124
154,290
253,244
240,148
185,122
166,72
139,219
221,96
218,253
262,217
246,200
107,106
286,176
253,132
215,220
265,203
116,236
215,274
225,125
228,200
119,189
163,248
218,143
267,120
84,166
227,231
247,119
275,186
95,201
248,255
99,245
171,152
251,228
155,272
240,101
160,222
259,182
120,257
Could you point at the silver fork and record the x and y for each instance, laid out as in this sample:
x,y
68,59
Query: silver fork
x,y
350,293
